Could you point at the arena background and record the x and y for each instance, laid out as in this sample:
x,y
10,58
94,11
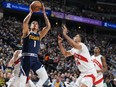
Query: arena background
x,y
94,19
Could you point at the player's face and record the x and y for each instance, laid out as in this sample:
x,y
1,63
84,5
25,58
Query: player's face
x,y
96,50
77,38
34,25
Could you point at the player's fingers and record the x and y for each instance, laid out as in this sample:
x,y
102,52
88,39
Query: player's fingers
x,y
30,8
59,37
63,26
43,5
30,5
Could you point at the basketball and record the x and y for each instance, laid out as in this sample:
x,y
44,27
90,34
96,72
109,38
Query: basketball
x,y
36,6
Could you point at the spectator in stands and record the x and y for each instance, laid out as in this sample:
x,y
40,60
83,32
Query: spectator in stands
x,y
2,79
67,82
2,67
107,82
57,82
113,82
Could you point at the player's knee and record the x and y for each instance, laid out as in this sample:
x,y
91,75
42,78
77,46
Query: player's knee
x,y
42,74
83,85
44,78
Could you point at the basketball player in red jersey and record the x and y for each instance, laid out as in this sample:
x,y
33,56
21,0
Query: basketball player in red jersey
x,y
15,81
82,58
100,65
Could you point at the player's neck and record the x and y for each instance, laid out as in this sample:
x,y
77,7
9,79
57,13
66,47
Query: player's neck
x,y
77,42
96,54
34,31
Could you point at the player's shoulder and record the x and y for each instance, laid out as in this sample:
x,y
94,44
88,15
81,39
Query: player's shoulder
x,y
83,45
100,56
93,56
23,37
18,50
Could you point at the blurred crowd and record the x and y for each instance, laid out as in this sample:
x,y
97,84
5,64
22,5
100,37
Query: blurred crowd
x,y
62,71
94,11
108,1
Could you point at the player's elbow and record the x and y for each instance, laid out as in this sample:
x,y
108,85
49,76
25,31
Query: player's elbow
x,y
9,64
79,47
65,54
106,68
49,26
25,22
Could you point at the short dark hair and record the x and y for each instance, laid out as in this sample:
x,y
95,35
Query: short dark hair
x,y
98,47
82,38
33,22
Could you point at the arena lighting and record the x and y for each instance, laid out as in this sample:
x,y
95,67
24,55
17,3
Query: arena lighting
x,y
76,18
56,23
20,7
79,27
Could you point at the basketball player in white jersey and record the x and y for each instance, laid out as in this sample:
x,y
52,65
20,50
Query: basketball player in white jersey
x,y
16,81
100,65
82,59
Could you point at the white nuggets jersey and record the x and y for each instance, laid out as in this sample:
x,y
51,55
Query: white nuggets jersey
x,y
17,64
83,59
98,65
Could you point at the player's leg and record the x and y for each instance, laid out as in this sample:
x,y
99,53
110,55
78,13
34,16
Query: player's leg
x,y
25,68
30,84
99,81
15,82
23,80
100,84
10,82
42,75
39,69
83,85
87,81
77,83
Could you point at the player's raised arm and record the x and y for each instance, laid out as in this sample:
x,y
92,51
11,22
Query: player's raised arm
x,y
71,41
25,30
63,50
47,22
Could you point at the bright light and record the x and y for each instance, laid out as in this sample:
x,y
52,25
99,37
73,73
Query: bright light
x,y
56,23
79,27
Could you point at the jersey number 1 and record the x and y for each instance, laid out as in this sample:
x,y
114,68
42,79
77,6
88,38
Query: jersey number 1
x,y
34,43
